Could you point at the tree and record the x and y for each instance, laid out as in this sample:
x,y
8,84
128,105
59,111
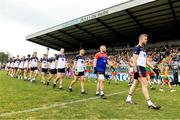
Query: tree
x,y
3,57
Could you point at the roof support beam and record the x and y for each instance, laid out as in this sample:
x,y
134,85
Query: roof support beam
x,y
60,40
50,46
120,36
76,38
52,43
173,12
94,36
136,21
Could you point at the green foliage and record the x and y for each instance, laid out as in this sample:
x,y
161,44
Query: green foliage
x,y
3,57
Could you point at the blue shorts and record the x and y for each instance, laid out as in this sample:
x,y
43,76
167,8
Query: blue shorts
x,y
61,70
53,71
142,71
44,70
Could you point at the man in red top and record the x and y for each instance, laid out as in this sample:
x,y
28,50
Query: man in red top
x,y
99,64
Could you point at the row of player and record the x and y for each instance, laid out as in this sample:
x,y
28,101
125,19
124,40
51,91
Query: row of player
x,y
139,63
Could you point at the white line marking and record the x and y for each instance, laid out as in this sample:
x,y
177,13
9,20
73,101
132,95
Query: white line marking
x,y
55,105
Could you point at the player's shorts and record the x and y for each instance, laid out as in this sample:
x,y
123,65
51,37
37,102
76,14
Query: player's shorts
x,y
152,74
53,71
21,68
33,68
101,77
43,70
148,73
61,70
88,71
114,73
142,71
27,69
166,81
79,74
16,68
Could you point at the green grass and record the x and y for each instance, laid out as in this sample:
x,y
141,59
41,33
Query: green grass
x,y
19,95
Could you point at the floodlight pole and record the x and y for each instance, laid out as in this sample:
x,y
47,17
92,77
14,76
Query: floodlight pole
x,y
47,51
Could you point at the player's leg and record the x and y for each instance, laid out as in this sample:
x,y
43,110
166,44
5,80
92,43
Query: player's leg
x,y
72,83
50,77
43,77
98,88
161,86
145,91
170,87
19,73
36,73
61,80
101,79
82,84
131,92
30,74
57,79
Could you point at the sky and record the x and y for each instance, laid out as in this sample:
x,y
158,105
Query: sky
x,y
19,18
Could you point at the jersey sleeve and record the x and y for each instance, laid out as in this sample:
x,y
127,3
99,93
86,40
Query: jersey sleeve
x,y
96,56
136,50
77,57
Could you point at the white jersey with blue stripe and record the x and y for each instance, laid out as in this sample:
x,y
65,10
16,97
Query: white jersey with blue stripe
x,y
141,60
80,63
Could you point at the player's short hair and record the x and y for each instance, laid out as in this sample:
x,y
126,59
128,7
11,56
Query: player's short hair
x,y
81,49
44,54
103,45
143,35
61,48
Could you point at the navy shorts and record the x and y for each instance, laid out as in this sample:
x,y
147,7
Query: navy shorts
x,y
53,71
33,68
79,74
61,70
44,70
142,71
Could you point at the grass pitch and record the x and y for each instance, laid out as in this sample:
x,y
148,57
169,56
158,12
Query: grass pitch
x,y
24,100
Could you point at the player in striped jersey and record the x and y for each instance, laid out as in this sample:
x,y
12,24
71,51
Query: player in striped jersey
x,y
139,63
16,66
21,68
61,64
26,67
53,70
79,66
44,68
12,67
34,67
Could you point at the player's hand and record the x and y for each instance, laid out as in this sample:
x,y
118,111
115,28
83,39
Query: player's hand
x,y
95,71
76,72
136,75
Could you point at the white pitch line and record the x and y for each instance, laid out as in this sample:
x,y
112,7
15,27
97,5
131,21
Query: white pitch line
x,y
55,105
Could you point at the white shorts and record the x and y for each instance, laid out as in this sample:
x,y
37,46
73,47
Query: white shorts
x,y
101,77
